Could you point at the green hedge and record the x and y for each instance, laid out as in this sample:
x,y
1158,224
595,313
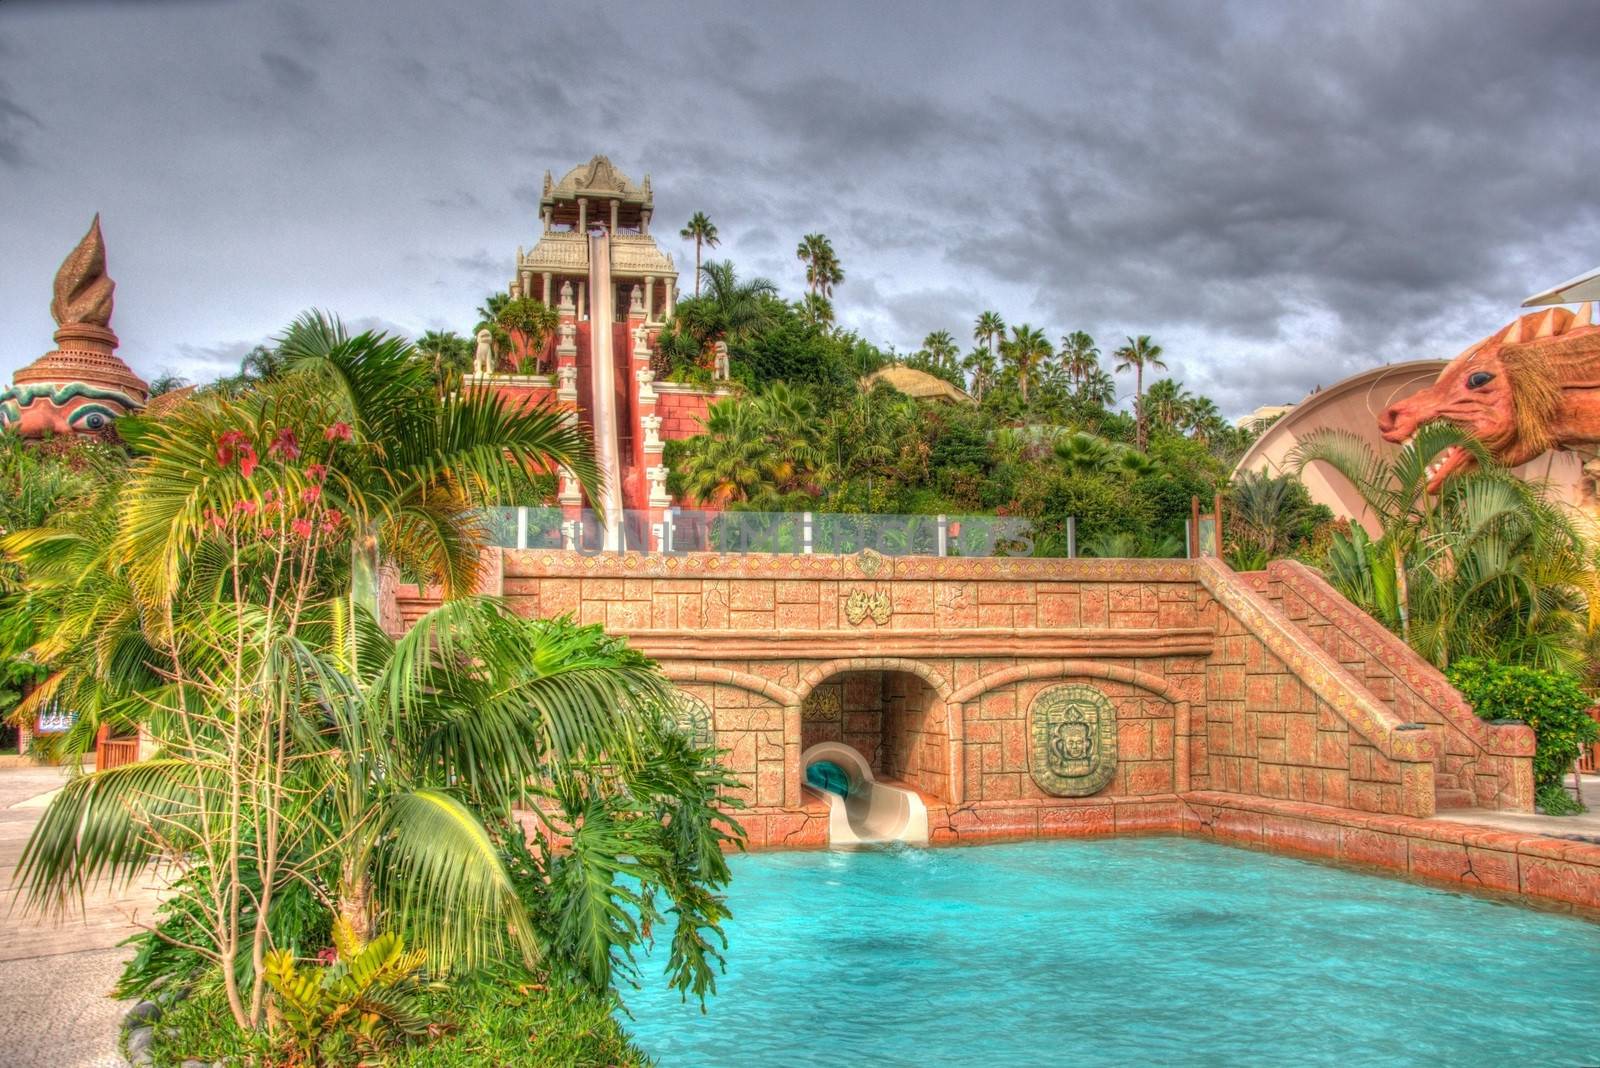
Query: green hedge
x,y
1551,702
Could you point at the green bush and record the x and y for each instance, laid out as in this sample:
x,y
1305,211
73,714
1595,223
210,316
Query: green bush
x,y
1551,702
510,1018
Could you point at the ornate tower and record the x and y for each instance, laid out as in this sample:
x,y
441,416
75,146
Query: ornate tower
x,y
82,386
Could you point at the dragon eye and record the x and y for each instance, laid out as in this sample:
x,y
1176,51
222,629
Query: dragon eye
x,y
1479,379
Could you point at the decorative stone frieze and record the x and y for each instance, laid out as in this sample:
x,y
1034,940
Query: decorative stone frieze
x,y
860,606
646,379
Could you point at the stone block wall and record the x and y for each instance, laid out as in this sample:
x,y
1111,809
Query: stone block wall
x,y
929,667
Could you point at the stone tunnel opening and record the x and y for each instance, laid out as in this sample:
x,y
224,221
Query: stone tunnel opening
x,y
893,719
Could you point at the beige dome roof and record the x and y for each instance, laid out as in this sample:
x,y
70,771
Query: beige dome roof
x,y
918,384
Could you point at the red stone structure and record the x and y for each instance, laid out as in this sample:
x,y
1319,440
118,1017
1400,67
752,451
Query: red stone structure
x,y
1261,708
613,288
81,386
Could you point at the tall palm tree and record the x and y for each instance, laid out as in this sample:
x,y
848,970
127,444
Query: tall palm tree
x,y
823,271
1079,356
731,308
940,348
702,231
1026,350
1136,355
980,365
989,330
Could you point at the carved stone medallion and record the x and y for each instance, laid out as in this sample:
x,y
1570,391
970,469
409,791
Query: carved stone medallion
x,y
1072,732
694,719
870,562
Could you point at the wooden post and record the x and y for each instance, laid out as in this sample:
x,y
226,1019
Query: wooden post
x,y
1216,532
1194,527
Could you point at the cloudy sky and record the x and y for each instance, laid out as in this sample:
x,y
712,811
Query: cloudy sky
x,y
1279,193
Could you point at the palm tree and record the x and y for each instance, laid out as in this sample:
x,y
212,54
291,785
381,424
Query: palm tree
x,y
531,322
1026,351
815,309
989,330
731,309
980,365
1079,356
940,349
449,352
1205,419
1396,494
822,264
1099,388
1136,355
702,231
1169,404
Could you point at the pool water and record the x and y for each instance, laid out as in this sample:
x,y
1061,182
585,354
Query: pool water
x,y
1123,951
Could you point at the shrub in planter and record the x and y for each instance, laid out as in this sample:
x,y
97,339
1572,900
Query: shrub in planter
x,y
1551,702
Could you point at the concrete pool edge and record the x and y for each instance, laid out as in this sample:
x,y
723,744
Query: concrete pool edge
x,y
1536,867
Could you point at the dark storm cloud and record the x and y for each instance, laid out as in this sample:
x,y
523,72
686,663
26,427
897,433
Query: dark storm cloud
x,y
1280,194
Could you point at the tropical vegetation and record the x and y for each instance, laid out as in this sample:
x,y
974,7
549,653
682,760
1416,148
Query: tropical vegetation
x,y
317,784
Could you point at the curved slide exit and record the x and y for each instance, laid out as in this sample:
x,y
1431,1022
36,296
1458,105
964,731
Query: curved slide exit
x,y
862,811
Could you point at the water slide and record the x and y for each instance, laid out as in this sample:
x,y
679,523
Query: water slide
x,y
603,380
861,810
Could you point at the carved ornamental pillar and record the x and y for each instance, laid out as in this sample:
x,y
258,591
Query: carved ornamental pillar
x,y
614,217
649,298
547,281
583,215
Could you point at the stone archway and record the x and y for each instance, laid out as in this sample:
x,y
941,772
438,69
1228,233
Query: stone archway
x,y
893,711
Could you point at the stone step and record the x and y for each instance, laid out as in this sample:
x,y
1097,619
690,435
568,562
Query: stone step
x,y
1452,798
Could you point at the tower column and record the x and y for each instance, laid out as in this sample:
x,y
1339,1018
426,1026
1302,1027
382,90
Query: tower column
x,y
547,281
672,295
649,298
583,301
545,215
583,215
644,222
613,216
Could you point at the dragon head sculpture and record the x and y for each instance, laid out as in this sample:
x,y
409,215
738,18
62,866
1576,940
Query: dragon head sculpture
x,y
1531,387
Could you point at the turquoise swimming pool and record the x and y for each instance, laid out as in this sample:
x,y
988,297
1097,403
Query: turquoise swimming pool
x,y
1124,951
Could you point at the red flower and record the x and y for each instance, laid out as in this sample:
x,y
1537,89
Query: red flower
x,y
215,518
228,444
302,528
247,460
245,507
310,494
337,432
285,446
331,519
317,472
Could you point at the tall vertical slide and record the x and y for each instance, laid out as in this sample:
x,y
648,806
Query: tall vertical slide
x,y
603,386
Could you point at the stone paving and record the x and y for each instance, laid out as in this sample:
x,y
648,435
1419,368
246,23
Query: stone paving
x,y
55,976
1583,827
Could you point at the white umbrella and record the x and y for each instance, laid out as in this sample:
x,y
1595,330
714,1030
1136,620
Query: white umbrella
x,y
1583,287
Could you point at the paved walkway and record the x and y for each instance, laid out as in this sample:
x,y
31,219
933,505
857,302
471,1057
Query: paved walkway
x,y
1585,826
54,977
